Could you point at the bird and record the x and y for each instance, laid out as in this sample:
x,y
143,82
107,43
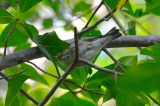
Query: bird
x,y
88,48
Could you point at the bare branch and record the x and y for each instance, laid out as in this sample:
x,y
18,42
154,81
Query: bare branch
x,y
63,77
112,57
93,15
100,68
34,52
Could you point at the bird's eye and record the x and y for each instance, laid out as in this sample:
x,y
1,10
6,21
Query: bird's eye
x,y
89,47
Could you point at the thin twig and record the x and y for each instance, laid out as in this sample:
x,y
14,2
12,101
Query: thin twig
x,y
21,90
8,36
58,72
110,55
154,100
93,15
73,92
63,77
105,18
40,69
66,80
13,74
99,68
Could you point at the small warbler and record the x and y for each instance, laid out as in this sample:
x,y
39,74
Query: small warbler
x,y
88,48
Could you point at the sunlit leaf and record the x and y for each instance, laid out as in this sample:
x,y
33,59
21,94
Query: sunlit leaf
x,y
79,7
27,4
18,37
5,16
152,51
70,100
128,60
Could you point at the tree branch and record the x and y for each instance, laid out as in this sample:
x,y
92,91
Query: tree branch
x,y
34,52
64,76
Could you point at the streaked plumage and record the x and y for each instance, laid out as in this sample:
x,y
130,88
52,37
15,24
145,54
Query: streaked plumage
x,y
88,49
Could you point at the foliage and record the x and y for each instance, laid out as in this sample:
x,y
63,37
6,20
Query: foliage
x,y
141,77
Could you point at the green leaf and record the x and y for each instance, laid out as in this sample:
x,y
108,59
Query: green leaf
x,y
30,30
81,7
92,33
14,85
5,16
13,3
39,92
33,74
16,102
128,60
153,6
127,8
50,44
48,22
27,4
70,100
125,98
152,51
29,71
18,37
22,47
132,30
111,3
141,78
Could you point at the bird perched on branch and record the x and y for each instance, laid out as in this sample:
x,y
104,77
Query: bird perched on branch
x,y
88,48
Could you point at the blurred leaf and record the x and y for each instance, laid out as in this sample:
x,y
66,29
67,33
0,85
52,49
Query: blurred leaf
x,y
18,37
48,22
50,44
141,78
13,3
39,92
5,16
127,8
1,102
27,4
22,47
125,98
14,85
128,60
153,6
92,33
152,51
132,28
55,5
70,100
111,3
81,7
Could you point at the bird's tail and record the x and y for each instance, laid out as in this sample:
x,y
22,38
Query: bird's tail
x,y
113,32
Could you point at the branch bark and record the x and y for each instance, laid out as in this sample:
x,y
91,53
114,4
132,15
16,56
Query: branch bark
x,y
34,52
